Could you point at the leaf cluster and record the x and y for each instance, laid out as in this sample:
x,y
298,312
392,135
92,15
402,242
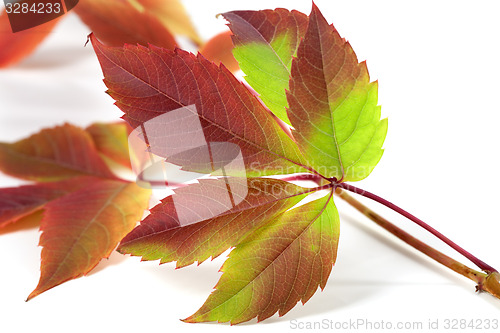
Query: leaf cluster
x,y
283,241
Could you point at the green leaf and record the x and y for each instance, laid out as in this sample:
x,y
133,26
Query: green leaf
x,y
276,266
264,43
333,105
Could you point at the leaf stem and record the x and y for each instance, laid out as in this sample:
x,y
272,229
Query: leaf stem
x,y
409,239
479,263
304,177
485,282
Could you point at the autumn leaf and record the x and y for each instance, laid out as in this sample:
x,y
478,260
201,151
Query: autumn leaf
x,y
111,140
53,154
81,228
276,266
343,134
188,227
145,83
115,22
174,16
16,46
86,209
218,49
18,202
264,43
124,21
282,248
193,113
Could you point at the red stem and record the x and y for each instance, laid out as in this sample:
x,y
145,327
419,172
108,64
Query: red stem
x,y
479,263
303,177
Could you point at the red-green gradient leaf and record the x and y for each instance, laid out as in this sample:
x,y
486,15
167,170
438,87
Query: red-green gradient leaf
x,y
83,227
276,266
162,236
14,47
219,49
148,82
18,202
53,154
333,105
117,22
111,139
264,43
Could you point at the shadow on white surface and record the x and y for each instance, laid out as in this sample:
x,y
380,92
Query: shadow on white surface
x,y
115,258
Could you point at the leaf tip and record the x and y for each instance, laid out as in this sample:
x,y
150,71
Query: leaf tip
x,y
33,294
189,320
314,8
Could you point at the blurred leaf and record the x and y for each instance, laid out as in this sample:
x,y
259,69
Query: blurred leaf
x,y
86,209
18,202
53,154
85,226
16,46
219,50
111,139
117,22
174,16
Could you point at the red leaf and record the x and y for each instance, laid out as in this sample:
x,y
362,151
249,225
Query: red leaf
x,y
149,82
16,46
188,227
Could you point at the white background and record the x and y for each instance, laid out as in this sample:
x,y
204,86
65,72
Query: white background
x,y
438,67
